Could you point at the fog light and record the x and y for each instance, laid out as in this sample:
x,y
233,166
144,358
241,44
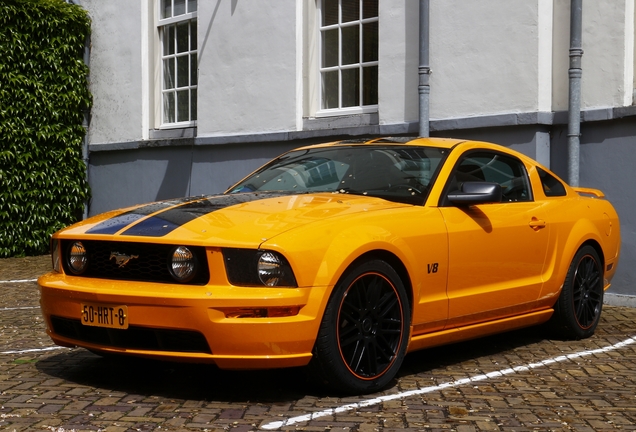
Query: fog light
x,y
270,312
77,258
182,264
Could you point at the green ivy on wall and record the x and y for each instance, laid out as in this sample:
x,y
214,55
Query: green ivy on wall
x,y
43,97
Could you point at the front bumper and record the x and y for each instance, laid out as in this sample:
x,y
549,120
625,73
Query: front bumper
x,y
177,310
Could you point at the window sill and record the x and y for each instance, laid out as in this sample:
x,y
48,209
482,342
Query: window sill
x,y
371,109
176,132
341,121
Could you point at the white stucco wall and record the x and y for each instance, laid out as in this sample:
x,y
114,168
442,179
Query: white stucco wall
x,y
484,57
399,60
604,46
115,70
487,57
560,54
608,54
247,67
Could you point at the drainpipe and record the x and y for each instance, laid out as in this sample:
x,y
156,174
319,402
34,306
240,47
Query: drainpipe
x,y
85,124
574,104
424,69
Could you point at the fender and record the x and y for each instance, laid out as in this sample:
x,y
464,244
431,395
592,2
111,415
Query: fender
x,y
331,246
583,231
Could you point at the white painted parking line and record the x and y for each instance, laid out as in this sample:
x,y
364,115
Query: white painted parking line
x,y
33,350
476,378
17,281
19,308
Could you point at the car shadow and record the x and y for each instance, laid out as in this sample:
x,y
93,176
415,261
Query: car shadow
x,y
187,381
424,361
190,381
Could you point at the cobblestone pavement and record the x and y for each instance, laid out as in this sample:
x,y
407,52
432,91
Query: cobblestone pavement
x,y
518,381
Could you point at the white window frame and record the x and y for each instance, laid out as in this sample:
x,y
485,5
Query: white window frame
x,y
360,109
162,24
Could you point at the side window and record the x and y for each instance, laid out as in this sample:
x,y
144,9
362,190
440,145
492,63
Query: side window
x,y
508,171
551,185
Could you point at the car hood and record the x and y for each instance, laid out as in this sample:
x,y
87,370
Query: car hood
x,y
237,220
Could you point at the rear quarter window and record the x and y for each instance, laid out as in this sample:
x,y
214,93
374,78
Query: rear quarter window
x,y
552,187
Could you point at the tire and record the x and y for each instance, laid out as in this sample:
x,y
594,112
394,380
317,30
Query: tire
x,y
364,332
578,309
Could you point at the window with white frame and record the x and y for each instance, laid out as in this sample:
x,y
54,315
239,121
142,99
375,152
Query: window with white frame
x,y
178,33
349,55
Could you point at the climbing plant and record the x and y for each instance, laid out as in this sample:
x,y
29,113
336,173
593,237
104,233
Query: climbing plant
x,y
43,99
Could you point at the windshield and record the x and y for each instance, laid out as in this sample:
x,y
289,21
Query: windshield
x,y
396,172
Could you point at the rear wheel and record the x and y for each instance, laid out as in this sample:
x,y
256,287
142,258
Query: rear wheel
x,y
364,332
578,309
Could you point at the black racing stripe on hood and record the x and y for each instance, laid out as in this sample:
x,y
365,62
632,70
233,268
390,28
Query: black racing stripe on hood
x,y
119,222
167,221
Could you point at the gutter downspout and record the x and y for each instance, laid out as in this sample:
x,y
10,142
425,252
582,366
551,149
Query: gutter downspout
x,y
424,69
85,124
574,103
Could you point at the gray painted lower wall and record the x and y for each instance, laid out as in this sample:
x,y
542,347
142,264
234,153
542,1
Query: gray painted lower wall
x,y
124,174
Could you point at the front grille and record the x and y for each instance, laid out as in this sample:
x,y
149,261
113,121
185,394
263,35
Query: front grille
x,y
141,338
150,264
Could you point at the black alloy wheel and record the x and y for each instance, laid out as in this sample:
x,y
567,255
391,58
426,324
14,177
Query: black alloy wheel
x,y
587,298
578,309
363,336
369,325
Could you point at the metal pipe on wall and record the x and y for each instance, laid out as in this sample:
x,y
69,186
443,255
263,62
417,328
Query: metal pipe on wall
x,y
424,69
574,102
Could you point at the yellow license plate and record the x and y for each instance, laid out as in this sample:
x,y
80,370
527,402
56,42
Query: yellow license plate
x,y
104,315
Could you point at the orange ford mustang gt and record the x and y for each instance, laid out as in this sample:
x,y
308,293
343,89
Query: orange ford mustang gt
x,y
342,256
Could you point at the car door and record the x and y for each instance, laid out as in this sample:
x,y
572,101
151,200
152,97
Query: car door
x,y
496,250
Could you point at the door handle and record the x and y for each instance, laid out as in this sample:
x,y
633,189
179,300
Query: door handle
x,y
537,224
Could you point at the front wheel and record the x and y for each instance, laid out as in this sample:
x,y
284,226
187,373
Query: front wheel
x,y
364,332
578,309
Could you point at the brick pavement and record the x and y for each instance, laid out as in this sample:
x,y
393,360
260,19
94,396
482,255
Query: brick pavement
x,y
72,389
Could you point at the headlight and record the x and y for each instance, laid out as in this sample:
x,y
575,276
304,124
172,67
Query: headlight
x,y
182,264
77,258
271,269
249,267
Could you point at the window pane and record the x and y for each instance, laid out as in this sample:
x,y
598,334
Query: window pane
x,y
193,103
350,45
330,48
193,35
179,7
193,69
168,107
350,10
370,85
329,12
551,186
168,73
369,8
370,43
192,5
182,37
183,71
166,9
183,105
350,87
168,40
330,90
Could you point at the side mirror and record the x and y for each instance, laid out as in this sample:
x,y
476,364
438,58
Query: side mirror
x,y
476,193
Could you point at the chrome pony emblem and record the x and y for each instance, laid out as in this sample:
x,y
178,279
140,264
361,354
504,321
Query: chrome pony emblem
x,y
121,259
